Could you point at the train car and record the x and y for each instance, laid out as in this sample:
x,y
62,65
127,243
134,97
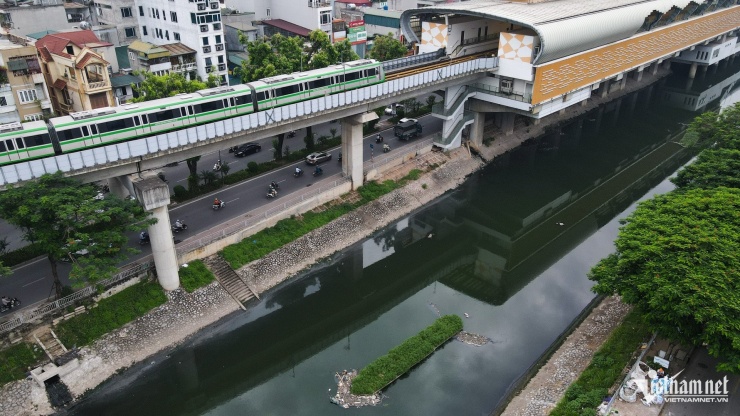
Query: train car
x,y
107,125
301,86
22,142
99,127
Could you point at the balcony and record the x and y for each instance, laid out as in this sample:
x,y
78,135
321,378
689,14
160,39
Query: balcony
x,y
190,66
45,104
38,78
97,85
318,3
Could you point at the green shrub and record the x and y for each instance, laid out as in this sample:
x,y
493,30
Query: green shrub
x,y
111,313
586,393
409,353
25,253
179,191
195,276
15,361
253,167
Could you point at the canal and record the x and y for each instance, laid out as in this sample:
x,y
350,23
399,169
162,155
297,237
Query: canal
x,y
511,248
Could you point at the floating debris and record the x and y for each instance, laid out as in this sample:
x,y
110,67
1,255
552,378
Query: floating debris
x,y
436,309
346,399
473,339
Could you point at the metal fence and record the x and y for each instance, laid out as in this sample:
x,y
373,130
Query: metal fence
x,y
257,215
394,64
22,317
386,158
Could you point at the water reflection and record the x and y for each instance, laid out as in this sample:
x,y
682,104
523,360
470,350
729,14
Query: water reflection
x,y
510,248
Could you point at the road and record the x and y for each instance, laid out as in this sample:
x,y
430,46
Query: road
x,y
32,283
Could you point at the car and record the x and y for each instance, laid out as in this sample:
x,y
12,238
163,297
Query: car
x,y
247,149
318,157
392,109
403,120
83,251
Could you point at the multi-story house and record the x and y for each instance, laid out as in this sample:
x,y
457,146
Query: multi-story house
x,y
23,95
74,66
143,56
196,23
182,60
29,18
121,14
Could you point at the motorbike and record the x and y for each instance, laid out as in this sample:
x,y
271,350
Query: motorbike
x,y
233,149
144,239
386,148
291,134
177,229
217,166
272,186
298,174
379,139
14,303
318,172
218,206
272,193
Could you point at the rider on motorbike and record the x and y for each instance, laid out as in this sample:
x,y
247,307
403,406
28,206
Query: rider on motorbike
x,y
217,202
318,171
178,224
378,139
5,302
274,185
298,171
386,148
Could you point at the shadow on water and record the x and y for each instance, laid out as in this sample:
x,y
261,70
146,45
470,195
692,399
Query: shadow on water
x,y
485,241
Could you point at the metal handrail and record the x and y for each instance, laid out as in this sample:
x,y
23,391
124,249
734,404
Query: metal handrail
x,y
440,109
490,89
22,317
380,161
464,118
413,60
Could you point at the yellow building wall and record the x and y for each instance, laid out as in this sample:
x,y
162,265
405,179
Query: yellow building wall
x,y
562,76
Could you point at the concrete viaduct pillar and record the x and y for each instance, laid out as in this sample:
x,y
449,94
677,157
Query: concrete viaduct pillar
x,y
352,146
476,130
154,196
692,70
121,186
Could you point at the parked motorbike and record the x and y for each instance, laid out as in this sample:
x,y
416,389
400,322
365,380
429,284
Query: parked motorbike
x,y
272,193
218,206
144,238
386,148
291,134
179,226
12,303
298,173
378,139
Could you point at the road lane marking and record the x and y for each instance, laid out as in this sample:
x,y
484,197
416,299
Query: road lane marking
x,y
30,283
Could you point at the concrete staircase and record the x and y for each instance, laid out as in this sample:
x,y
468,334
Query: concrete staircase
x,y
47,339
230,280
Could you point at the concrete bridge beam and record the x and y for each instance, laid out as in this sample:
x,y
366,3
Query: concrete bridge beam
x,y
121,186
352,146
154,196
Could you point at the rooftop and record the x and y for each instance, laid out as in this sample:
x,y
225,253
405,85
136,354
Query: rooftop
x,y
287,26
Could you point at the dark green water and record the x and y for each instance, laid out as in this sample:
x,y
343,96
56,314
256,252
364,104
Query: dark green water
x,y
496,252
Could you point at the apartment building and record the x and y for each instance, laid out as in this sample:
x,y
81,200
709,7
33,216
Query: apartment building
x,y
194,23
74,65
23,93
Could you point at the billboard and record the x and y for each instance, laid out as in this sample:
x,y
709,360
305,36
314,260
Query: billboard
x,y
356,32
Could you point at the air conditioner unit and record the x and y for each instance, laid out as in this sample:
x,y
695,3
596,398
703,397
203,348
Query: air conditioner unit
x,y
219,47
204,28
206,49
201,7
214,6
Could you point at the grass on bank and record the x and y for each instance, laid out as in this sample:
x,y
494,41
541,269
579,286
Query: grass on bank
x,y
401,359
111,313
194,276
15,361
592,386
289,229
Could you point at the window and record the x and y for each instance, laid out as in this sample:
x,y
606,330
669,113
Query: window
x,y
130,32
26,96
3,101
34,117
217,26
143,30
70,49
209,62
167,34
325,17
176,35
164,15
218,38
205,40
173,16
220,59
141,10
126,12
156,11
267,13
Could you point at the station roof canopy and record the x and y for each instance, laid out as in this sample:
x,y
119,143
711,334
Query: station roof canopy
x,y
565,27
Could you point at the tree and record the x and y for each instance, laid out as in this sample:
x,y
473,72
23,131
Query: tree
x,y
722,130
62,217
386,48
712,168
161,86
677,260
4,271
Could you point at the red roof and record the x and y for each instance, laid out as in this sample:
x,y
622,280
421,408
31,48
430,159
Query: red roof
x,y
287,26
45,55
60,84
86,57
57,43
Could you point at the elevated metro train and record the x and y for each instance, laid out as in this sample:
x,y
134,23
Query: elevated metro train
x,y
87,129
